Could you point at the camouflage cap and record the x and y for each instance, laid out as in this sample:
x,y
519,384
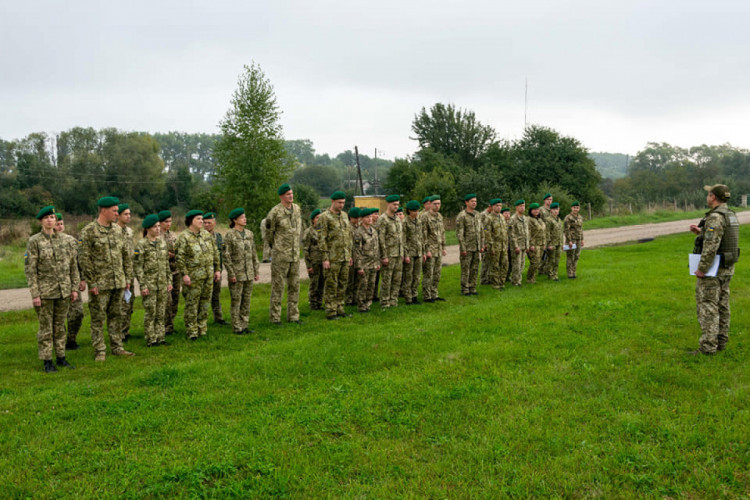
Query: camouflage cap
x,y
108,201
164,215
721,191
149,221
284,188
236,213
49,209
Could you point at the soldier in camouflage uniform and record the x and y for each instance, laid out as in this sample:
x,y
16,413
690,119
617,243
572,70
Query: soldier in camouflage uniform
x,y
496,245
469,235
554,242
391,253
241,261
718,236
505,212
52,273
518,240
433,235
537,241
484,267
126,307
209,224
573,229
314,262
151,268
545,212
375,215
173,300
414,250
75,312
335,242
198,263
107,266
283,231
366,252
351,284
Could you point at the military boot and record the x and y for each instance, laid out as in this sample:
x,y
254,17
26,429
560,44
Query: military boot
x,y
48,366
64,362
71,345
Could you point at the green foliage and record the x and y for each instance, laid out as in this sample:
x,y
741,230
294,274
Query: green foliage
x,y
324,179
306,197
611,165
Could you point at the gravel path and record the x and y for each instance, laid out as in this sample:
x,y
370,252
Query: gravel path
x,y
15,299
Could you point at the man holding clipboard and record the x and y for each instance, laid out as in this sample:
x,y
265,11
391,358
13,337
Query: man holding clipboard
x,y
718,238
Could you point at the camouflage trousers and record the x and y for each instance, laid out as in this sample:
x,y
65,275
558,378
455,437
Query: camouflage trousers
x,y
365,286
517,263
284,275
469,271
240,293
410,279
484,270
535,263
509,271
376,291
51,333
266,252
390,282
126,312
216,301
106,307
317,282
497,265
571,259
173,303
197,301
712,304
154,309
335,288
431,271
553,262
75,317
351,286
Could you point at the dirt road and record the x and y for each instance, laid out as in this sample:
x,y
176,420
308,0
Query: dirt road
x,y
19,298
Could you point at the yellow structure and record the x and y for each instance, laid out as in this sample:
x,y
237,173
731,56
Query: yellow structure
x,y
374,201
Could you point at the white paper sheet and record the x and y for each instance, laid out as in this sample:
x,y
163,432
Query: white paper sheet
x,y
127,296
695,258
571,247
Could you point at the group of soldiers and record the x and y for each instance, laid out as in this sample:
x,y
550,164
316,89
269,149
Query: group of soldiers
x,y
353,258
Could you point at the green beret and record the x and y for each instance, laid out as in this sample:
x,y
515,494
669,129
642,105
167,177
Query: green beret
x,y
164,215
49,209
391,198
426,199
575,204
364,212
354,213
533,206
193,213
506,209
399,209
108,201
149,221
469,196
284,188
519,202
209,215
122,207
548,195
435,197
495,201
412,205
374,211
554,205
338,195
314,213
236,213
58,215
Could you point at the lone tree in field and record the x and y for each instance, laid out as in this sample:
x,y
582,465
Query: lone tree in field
x,y
251,159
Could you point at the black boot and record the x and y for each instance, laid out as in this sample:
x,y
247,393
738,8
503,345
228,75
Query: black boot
x,y
48,366
71,345
64,362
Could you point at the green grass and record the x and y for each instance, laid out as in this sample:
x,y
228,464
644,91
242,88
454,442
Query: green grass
x,y
572,389
11,267
645,218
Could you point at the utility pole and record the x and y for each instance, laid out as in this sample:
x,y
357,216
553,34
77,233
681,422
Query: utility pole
x,y
359,172
525,102
375,167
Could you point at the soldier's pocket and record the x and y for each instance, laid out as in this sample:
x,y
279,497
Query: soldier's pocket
x,y
708,290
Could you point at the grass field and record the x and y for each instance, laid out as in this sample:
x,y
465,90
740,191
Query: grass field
x,y
11,267
571,389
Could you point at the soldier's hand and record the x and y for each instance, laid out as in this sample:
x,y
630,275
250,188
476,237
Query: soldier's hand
x,y
463,254
170,288
361,272
186,280
700,274
171,255
233,279
257,277
377,268
517,250
445,252
550,247
326,264
428,255
695,229
385,262
127,286
424,258
217,276
407,259
144,292
581,242
309,270
95,290
37,301
82,286
73,296
532,249
351,262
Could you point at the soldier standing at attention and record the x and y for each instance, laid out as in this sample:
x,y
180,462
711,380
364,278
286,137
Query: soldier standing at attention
x,y
469,234
375,215
518,240
151,268
351,284
107,267
335,242
173,301
75,312
52,273
484,266
537,241
414,250
545,215
366,259
283,231
126,306
505,212
554,241
496,245
573,229
314,262
198,263
241,261
718,235
209,224
391,253
433,233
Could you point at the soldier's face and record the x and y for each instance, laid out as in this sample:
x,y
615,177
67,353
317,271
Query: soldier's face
x,y
197,222
315,219
496,208
60,226
287,198
124,217
520,209
166,224
154,230
472,203
374,217
392,207
555,211
548,202
209,224
574,210
110,213
337,205
506,215
366,221
241,220
400,215
535,212
436,205
49,221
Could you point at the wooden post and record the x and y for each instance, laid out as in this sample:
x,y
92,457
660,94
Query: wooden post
x,y
359,173
630,207
589,204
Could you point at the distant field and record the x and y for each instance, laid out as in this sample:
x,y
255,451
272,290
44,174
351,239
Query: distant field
x,y
571,389
11,266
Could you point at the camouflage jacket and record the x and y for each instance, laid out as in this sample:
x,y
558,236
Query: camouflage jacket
x,y
219,246
495,234
310,247
335,237
390,237
171,240
413,243
537,231
151,265
573,228
544,213
197,255
50,266
554,231
366,248
433,233
283,230
468,231
127,234
518,232
105,260
713,227
240,255
75,247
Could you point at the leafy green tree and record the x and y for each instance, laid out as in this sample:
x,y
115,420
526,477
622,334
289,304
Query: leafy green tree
x,y
302,150
306,197
324,179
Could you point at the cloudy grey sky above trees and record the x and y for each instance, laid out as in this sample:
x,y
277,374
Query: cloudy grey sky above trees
x,y
613,74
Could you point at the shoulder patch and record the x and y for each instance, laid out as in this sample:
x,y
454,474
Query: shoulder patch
x,y
26,258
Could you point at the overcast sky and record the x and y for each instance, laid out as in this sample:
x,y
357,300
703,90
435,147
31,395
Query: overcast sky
x,y
613,74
